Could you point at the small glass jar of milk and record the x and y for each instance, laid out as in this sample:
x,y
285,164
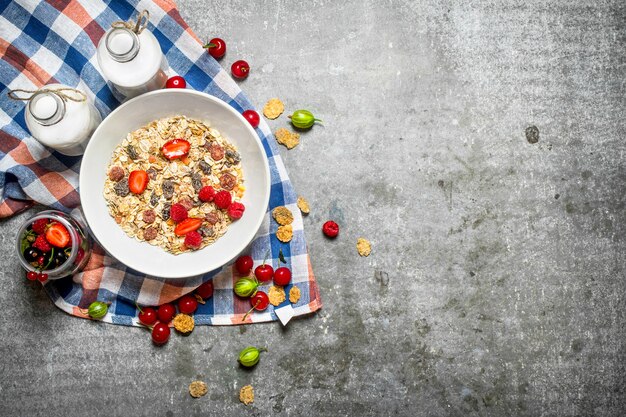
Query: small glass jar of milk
x,y
61,118
131,59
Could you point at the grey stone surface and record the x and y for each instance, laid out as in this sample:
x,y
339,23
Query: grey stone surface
x,y
496,282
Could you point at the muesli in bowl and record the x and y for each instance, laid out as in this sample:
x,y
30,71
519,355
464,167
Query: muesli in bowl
x,y
175,183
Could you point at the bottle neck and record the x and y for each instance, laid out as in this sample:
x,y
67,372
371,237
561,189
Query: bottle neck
x,y
122,44
46,108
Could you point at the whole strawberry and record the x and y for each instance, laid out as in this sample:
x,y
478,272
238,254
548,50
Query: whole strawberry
x,y
42,244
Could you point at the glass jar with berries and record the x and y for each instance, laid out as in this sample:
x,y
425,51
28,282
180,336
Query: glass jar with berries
x,y
52,245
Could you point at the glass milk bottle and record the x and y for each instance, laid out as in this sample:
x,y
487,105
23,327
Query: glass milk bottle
x,y
131,58
61,118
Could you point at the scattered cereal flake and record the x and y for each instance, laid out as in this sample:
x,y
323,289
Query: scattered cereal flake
x,y
199,299
287,138
284,233
282,215
276,295
197,389
363,246
273,108
183,323
294,294
303,205
246,394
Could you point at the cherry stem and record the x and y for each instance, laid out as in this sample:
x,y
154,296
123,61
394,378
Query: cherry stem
x,y
245,316
210,45
138,308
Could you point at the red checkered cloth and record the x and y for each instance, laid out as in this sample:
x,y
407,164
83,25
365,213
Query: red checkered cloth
x,y
55,41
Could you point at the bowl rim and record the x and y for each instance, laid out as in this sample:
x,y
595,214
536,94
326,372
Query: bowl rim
x,y
266,196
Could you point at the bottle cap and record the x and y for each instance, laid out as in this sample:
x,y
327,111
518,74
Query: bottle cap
x,y
122,44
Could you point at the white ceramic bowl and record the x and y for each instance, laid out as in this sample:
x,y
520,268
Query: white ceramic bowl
x,y
142,256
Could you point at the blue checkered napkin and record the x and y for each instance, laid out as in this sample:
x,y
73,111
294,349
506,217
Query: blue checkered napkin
x,y
46,42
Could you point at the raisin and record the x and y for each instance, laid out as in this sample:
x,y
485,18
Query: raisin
x,y
152,173
228,181
206,231
217,152
233,157
204,167
116,173
121,188
154,199
196,181
168,189
132,152
149,216
165,213
150,233
212,217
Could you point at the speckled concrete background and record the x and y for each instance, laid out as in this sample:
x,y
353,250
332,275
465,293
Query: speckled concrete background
x,y
496,283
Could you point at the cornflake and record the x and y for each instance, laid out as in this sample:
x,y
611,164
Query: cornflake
x,y
284,233
197,389
282,215
294,294
287,138
276,295
246,394
273,108
183,323
303,205
363,246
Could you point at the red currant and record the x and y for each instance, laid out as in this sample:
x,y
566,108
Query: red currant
x,y
259,301
252,117
41,260
205,290
160,333
244,264
264,272
330,229
216,48
187,304
148,316
31,275
240,69
42,277
166,313
176,82
282,276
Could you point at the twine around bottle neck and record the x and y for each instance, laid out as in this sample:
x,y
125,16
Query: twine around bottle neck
x,y
130,30
136,27
60,96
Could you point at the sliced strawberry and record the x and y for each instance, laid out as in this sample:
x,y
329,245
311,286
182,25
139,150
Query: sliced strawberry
x,y
175,148
57,235
138,181
187,225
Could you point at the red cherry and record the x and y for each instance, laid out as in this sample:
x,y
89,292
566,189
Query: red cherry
x,y
282,276
244,264
240,69
205,290
176,82
259,301
216,48
42,277
166,313
264,272
252,117
187,304
31,275
148,316
160,333
330,229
